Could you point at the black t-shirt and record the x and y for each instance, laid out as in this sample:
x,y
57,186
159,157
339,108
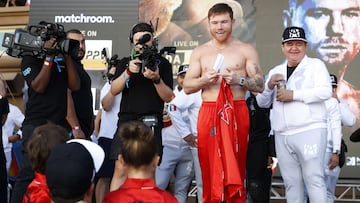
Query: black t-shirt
x,y
83,100
52,104
139,96
4,110
4,107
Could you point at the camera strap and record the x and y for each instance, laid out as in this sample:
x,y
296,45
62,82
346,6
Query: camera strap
x,y
59,63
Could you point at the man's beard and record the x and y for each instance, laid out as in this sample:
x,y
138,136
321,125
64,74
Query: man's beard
x,y
80,56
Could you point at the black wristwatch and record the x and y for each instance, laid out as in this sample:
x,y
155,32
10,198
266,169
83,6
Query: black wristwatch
x,y
157,81
242,80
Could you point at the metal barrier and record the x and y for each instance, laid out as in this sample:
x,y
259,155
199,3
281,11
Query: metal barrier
x,y
347,190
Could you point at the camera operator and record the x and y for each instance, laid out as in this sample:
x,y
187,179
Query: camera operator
x,y
144,92
80,115
48,77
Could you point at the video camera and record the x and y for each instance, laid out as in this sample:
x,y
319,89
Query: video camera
x,y
30,41
150,56
110,63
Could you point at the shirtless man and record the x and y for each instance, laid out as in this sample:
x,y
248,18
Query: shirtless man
x,y
223,123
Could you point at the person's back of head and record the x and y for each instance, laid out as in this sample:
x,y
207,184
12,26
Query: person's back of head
x,y
42,141
71,168
138,147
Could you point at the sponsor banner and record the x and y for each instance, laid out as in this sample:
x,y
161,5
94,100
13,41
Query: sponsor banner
x,y
105,23
93,57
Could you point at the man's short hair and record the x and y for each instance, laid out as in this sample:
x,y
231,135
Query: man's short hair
x,y
220,8
75,31
140,27
42,141
70,169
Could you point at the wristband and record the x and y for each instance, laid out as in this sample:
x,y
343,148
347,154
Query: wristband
x,y
76,128
128,72
126,80
157,81
48,63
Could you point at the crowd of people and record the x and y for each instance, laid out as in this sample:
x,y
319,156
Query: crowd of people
x,y
221,124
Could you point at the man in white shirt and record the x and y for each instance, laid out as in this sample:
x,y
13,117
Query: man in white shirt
x,y
14,119
179,137
297,90
343,116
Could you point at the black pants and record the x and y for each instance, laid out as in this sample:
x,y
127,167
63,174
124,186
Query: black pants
x,y
115,145
3,173
26,173
257,173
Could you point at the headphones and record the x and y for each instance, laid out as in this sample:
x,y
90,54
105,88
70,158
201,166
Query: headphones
x,y
140,27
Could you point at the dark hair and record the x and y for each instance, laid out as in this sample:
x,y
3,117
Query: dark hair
x,y
140,27
42,141
75,31
220,8
138,144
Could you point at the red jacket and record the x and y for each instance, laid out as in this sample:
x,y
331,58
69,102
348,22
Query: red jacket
x,y
37,191
139,190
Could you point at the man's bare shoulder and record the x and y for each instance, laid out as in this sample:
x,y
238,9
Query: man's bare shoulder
x,y
203,47
246,49
242,45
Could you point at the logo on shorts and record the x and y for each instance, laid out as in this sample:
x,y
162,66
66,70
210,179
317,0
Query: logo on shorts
x,y
310,150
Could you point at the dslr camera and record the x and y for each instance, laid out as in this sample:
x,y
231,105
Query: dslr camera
x,y
30,41
150,56
110,63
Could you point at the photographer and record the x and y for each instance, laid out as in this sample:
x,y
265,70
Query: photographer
x,y
144,91
48,76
